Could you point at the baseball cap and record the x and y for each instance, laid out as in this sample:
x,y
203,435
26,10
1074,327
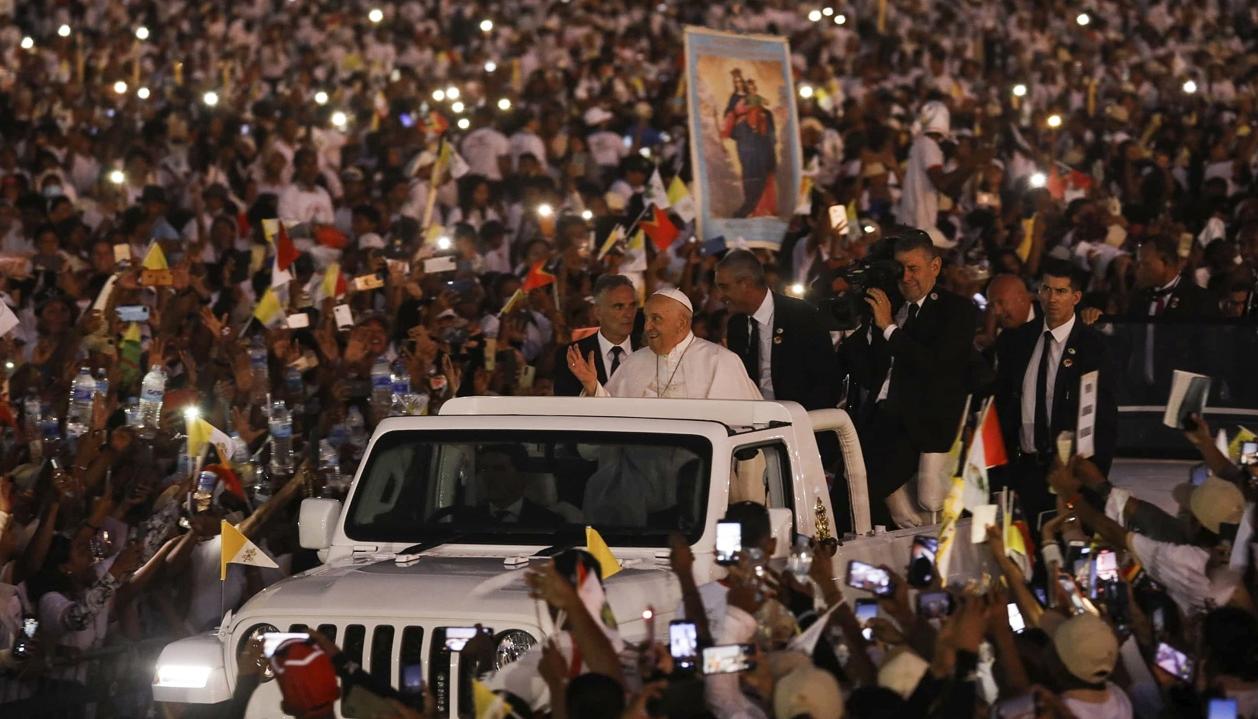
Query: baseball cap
x,y
808,691
306,678
1087,647
1213,503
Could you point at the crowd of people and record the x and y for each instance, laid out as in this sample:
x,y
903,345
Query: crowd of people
x,y
292,219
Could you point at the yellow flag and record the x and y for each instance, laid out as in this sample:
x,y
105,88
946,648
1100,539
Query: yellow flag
x,y
237,549
132,333
616,235
268,310
512,303
1234,447
595,545
486,704
948,526
270,228
1028,236
803,205
155,259
201,433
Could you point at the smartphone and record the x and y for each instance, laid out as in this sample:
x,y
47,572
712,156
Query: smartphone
x,y
728,659
987,199
1071,588
683,643
458,637
1173,662
30,625
1078,557
1065,446
1221,709
866,610
133,313
838,219
1106,566
412,679
406,119
868,577
922,561
1158,620
272,641
1249,453
934,605
1198,474
729,542
1016,622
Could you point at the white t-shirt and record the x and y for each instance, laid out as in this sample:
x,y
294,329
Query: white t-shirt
x,y
298,205
481,150
919,205
1115,706
607,148
524,142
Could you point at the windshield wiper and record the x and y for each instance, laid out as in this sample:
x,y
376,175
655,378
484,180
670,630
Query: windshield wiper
x,y
432,543
554,549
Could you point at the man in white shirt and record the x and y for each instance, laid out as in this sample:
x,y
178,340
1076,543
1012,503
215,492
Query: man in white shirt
x,y
304,201
487,151
675,363
925,178
606,147
526,141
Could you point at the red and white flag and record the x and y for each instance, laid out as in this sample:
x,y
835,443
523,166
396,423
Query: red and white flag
x,y
987,450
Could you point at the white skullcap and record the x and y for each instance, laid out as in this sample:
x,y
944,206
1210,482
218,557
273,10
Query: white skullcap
x,y
676,295
935,117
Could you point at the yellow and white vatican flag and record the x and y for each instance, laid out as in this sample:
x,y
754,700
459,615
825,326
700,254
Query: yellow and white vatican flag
x,y
237,549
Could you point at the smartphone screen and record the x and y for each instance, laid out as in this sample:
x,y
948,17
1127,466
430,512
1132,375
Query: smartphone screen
x,y
866,609
868,577
413,679
1222,709
922,561
133,313
1249,453
838,218
1016,622
934,605
1106,565
30,625
683,642
1173,662
1198,474
1071,588
727,659
458,637
272,640
729,542
1019,707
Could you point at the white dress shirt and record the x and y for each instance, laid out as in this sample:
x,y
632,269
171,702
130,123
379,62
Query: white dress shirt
x,y
901,316
605,346
1060,334
764,319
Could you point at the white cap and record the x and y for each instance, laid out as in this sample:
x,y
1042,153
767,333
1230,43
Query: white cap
x,y
371,240
935,117
678,296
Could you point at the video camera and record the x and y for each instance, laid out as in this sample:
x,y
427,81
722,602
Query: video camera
x,y
847,310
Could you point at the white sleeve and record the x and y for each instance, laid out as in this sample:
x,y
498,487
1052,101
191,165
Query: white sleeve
x,y
722,692
932,156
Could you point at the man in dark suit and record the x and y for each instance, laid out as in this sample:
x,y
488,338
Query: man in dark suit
x,y
616,310
1037,391
1165,296
500,468
913,361
780,340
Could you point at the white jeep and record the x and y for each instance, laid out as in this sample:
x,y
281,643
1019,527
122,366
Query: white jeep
x,y
416,551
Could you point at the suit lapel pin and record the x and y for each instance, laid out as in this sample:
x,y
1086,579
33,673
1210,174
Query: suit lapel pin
x,y
777,339
1067,362
1174,303
934,295
1070,350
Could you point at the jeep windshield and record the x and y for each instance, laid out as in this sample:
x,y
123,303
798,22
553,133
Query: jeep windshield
x,y
531,487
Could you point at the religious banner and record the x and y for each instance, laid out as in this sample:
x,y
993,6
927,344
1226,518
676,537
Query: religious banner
x,y
744,135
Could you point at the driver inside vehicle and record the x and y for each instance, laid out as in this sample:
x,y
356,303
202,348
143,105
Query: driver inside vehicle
x,y
500,469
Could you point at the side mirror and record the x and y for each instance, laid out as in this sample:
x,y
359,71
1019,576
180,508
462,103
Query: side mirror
x,y
316,523
782,522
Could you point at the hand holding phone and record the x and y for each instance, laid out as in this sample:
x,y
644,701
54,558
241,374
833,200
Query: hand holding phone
x,y
1173,662
683,643
728,659
729,542
869,578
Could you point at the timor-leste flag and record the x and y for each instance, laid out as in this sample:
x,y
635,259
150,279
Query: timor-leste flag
x,y
660,229
537,277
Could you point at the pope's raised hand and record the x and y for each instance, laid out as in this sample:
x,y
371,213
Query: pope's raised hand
x,y
583,369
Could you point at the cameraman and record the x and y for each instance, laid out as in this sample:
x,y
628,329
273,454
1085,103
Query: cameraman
x,y
911,360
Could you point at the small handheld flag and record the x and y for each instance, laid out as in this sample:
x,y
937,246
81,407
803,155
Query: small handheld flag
x,y
595,545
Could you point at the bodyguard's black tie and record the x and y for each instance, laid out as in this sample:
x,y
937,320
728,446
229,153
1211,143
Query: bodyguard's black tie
x,y
751,358
911,316
1042,440
617,352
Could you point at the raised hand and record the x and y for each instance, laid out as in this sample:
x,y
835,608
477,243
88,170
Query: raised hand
x,y
584,369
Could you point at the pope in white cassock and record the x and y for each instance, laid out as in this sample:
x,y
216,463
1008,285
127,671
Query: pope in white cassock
x,y
629,486
674,364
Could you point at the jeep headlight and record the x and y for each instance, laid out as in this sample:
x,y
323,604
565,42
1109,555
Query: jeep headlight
x,y
183,676
256,632
512,644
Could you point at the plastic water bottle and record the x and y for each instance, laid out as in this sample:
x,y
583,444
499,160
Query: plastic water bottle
x,y
79,411
260,374
102,383
381,389
329,468
338,435
401,380
357,432
132,411
281,425
33,408
152,391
